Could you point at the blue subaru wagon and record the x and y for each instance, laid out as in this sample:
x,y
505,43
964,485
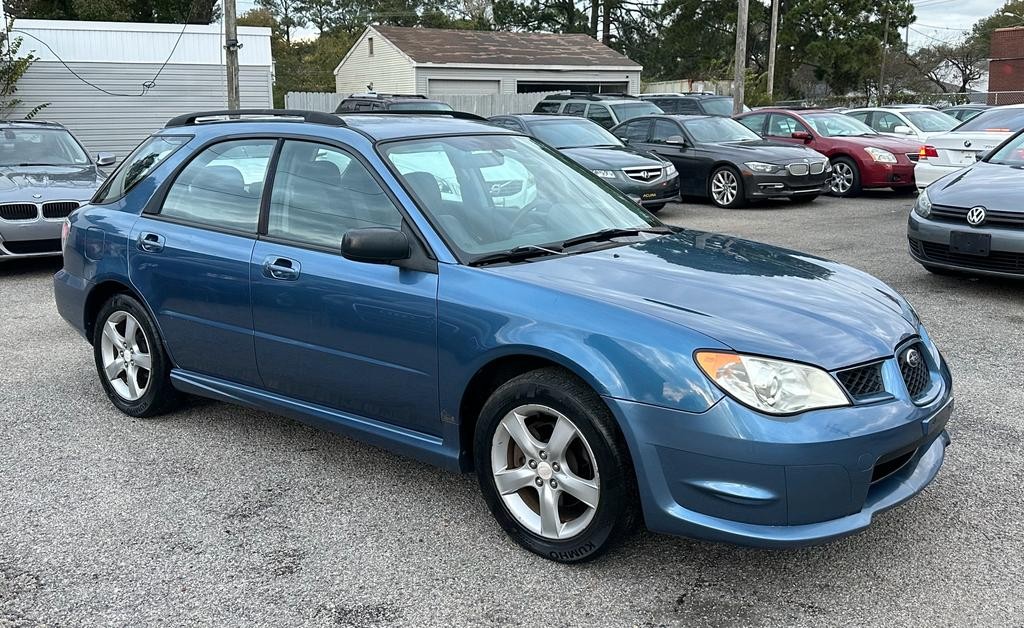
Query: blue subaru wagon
x,y
465,295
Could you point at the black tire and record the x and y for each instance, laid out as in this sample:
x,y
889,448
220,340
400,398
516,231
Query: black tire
x,y
843,165
159,396
655,208
740,198
617,511
803,198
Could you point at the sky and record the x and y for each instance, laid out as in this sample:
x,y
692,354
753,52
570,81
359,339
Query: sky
x,y
947,20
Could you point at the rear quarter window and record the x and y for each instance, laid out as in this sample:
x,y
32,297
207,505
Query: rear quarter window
x,y
143,160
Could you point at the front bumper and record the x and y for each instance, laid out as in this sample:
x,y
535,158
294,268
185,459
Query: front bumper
x,y
882,175
760,186
926,172
656,193
32,238
731,474
930,245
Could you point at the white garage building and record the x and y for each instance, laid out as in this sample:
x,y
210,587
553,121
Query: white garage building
x,y
392,59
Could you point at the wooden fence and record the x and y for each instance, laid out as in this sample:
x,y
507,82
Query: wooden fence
x,y
481,104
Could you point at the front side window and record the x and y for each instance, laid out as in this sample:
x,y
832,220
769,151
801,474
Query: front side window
x,y
569,133
40,146
837,125
718,106
320,192
601,115
754,122
663,129
635,131
886,122
222,186
140,163
784,126
931,121
717,130
575,109
513,192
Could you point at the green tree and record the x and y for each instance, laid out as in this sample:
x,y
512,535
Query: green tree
x,y
13,66
1010,14
165,11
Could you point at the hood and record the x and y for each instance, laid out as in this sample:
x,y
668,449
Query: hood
x,y
765,150
611,157
993,186
973,140
36,184
753,297
891,144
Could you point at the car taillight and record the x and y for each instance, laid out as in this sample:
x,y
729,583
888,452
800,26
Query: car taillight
x,y
927,151
65,231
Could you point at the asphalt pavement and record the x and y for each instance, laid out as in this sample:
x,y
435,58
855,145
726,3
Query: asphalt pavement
x,y
217,515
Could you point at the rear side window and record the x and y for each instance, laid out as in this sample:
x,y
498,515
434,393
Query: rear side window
x,y
575,109
547,106
141,162
663,130
222,186
601,115
687,105
635,131
346,105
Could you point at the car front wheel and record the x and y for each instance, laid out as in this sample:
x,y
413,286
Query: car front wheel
x,y
553,468
845,177
726,188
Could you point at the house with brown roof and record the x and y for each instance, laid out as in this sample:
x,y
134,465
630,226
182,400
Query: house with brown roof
x,y
443,62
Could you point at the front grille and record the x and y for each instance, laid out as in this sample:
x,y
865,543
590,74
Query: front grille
x,y
59,209
887,465
798,170
27,247
913,156
644,175
818,167
862,382
1010,220
996,261
19,211
914,369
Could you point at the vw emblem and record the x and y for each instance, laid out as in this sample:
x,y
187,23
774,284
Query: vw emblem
x,y
976,216
967,143
912,358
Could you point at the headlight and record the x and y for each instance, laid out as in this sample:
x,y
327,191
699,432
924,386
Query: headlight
x,y
670,170
604,174
880,155
771,386
759,166
923,206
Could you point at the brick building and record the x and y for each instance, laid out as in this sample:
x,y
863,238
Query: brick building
x,y
1006,66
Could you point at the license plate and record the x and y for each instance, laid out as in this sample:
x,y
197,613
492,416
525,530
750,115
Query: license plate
x,y
970,243
968,158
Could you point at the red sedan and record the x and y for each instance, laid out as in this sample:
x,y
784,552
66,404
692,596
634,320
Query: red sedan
x,y
861,158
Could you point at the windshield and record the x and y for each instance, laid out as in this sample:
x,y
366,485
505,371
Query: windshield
x,y
1011,154
419,106
628,111
40,147
931,121
716,130
996,120
719,106
837,125
492,193
573,133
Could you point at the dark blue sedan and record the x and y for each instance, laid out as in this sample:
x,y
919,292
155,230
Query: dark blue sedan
x,y
465,295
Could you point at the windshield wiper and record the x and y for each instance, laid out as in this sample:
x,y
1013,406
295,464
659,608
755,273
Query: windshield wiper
x,y
609,234
515,254
35,164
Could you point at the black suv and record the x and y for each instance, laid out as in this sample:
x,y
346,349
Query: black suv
x,y
373,101
604,109
693,103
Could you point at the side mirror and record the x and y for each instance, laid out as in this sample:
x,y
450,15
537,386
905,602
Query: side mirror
x,y
106,159
801,135
903,129
676,140
375,245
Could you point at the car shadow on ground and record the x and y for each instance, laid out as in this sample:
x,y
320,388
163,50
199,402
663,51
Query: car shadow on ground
x,y
30,266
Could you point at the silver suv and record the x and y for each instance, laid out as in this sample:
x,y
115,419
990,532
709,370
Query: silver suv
x,y
607,110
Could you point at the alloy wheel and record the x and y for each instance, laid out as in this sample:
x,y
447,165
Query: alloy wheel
x,y
842,177
125,351
545,471
724,187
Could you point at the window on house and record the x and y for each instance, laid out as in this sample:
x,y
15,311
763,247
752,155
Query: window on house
x,y
369,45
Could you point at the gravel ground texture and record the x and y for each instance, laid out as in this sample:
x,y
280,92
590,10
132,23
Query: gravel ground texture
x,y
217,515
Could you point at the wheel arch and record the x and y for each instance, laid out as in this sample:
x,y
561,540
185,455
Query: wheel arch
x,y
102,292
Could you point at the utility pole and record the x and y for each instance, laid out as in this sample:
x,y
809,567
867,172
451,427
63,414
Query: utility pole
x,y
771,50
881,73
231,47
741,57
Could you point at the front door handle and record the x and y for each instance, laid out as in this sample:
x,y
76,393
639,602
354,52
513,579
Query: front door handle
x,y
150,242
281,268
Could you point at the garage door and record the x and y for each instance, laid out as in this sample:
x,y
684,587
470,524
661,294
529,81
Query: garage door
x,y
462,86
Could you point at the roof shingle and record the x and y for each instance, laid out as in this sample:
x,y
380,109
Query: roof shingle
x,y
437,45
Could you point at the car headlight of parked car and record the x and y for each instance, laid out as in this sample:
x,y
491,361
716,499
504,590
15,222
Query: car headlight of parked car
x,y
771,386
670,170
604,174
923,206
760,166
880,155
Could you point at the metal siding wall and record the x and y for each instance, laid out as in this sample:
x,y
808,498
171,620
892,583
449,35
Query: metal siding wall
x,y
482,104
118,123
388,69
509,76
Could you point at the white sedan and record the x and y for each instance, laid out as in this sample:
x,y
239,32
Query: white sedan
x,y
912,123
966,144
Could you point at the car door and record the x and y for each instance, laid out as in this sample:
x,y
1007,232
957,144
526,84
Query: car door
x,y
189,258
755,122
354,337
781,128
689,159
601,115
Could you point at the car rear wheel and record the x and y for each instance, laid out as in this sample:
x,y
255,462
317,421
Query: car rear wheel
x,y
553,467
845,177
130,359
726,188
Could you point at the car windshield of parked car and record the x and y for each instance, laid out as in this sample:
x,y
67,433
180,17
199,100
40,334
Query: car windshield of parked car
x,y
720,106
420,106
628,111
931,121
1011,154
40,147
996,120
572,133
837,125
717,130
494,193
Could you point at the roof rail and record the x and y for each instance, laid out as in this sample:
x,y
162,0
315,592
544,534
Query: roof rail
x,y
256,115
35,122
590,96
461,115
381,95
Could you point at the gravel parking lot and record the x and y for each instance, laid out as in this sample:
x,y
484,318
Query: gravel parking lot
x,y
224,516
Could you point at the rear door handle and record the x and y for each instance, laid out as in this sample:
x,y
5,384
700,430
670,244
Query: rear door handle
x,y
282,268
150,242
